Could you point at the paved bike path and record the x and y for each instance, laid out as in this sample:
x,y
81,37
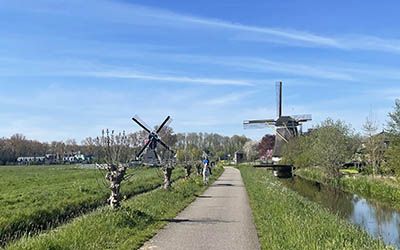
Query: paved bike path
x,y
220,218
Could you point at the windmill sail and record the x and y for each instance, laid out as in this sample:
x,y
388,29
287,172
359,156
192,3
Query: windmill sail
x,y
148,152
141,123
164,125
302,118
258,124
279,99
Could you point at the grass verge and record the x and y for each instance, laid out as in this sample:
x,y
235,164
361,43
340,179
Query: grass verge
x,y
33,199
126,228
286,220
380,189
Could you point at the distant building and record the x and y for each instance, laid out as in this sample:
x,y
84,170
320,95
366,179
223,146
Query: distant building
x,y
71,158
238,157
31,160
75,157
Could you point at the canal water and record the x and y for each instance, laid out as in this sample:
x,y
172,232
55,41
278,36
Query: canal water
x,y
378,220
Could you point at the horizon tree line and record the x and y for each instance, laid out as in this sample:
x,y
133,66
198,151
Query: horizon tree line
x,y
218,146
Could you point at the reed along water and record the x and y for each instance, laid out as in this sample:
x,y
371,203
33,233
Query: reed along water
x,y
378,220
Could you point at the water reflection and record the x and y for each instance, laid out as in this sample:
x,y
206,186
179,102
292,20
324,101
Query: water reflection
x,y
377,219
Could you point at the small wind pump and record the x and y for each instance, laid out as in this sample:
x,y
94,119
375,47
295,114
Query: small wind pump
x,y
149,150
148,153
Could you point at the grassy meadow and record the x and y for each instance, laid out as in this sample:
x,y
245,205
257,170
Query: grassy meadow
x,y
35,198
128,227
286,220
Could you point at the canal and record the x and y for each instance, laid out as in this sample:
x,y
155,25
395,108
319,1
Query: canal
x,y
378,220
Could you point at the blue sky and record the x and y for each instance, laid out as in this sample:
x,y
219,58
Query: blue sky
x,y
70,68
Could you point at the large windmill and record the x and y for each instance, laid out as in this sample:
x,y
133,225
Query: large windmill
x,y
286,127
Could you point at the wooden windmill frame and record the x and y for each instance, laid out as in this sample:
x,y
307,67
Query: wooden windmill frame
x,y
286,127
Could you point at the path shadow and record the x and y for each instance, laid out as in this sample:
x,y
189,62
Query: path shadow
x,y
226,185
204,196
202,221
214,196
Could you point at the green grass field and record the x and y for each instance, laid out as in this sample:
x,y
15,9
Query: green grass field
x,y
35,198
286,220
128,227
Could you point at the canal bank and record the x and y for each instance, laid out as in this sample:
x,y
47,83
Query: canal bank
x,y
377,219
286,220
383,190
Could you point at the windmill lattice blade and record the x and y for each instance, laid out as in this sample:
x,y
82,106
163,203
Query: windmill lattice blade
x,y
258,124
141,123
166,122
165,146
255,126
141,151
302,118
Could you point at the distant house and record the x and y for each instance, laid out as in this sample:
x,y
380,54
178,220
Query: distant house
x,y
31,160
75,157
238,157
51,159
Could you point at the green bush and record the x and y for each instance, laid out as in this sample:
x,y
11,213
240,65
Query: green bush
x,y
328,145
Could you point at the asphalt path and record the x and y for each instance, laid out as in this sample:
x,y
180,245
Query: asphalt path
x,y
220,218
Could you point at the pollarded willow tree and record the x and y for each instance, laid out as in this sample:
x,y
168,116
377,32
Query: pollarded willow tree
x,y
117,154
183,158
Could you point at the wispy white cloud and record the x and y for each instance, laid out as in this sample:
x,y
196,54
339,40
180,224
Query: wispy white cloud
x,y
338,41
321,69
128,13
287,34
265,65
385,93
73,68
167,78
228,98
365,42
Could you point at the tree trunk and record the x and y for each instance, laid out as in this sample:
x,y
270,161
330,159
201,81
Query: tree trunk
x,y
188,171
167,177
115,176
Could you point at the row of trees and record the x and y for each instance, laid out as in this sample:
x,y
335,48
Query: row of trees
x,y
333,143
18,145
189,146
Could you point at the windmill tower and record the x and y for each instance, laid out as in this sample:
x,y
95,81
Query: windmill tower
x,y
286,127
